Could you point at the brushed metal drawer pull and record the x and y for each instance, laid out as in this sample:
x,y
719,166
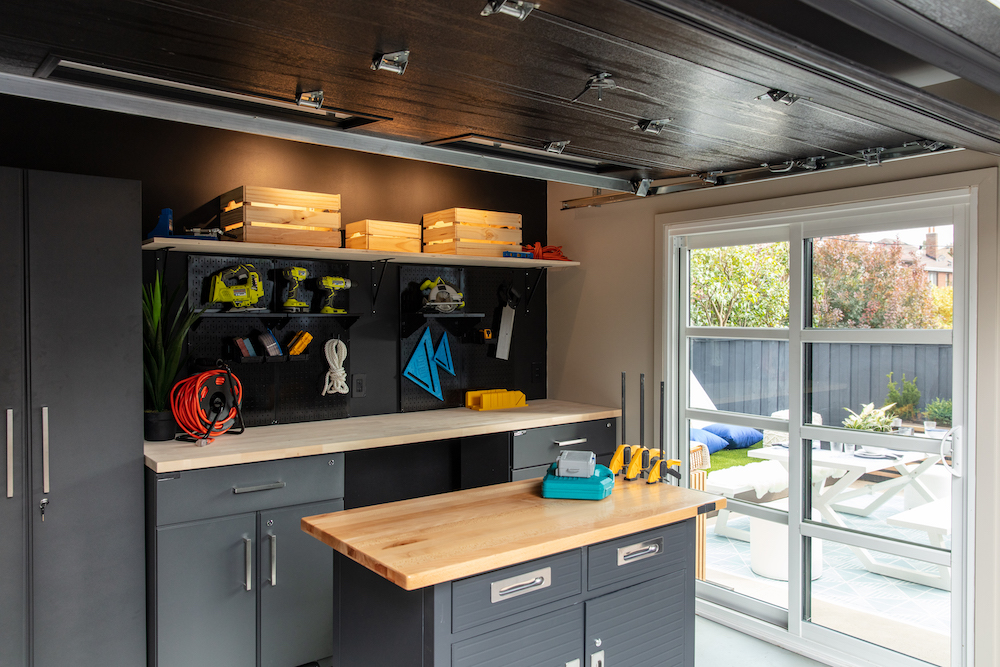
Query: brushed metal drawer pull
x,y
10,453
517,588
512,587
642,550
567,443
274,560
45,449
248,561
261,487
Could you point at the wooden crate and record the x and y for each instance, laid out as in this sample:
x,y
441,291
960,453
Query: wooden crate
x,y
466,231
382,235
272,215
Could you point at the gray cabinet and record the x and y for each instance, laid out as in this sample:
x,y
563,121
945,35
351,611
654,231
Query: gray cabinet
x,y
534,449
627,602
233,579
72,388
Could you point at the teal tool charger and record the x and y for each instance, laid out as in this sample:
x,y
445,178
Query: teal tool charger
x,y
596,487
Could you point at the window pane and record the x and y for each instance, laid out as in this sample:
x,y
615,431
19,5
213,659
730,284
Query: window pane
x,y
748,376
884,609
910,382
740,286
886,280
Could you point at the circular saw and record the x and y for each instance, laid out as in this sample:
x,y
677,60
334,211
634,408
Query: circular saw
x,y
440,296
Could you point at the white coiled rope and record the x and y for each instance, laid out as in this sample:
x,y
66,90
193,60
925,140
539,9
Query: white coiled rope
x,y
336,377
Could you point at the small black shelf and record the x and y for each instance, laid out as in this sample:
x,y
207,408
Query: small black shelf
x,y
348,318
277,359
478,316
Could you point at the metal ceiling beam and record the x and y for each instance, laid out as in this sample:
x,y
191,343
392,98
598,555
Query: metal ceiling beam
x,y
918,35
108,100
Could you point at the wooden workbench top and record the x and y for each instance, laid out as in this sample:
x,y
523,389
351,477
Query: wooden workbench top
x,y
285,441
434,539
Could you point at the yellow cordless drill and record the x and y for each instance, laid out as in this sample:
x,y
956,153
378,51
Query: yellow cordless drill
x,y
295,275
330,285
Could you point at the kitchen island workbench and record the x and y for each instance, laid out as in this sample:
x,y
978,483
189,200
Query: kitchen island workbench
x,y
501,576
284,441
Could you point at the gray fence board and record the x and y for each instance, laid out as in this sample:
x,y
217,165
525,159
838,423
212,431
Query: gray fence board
x,y
752,376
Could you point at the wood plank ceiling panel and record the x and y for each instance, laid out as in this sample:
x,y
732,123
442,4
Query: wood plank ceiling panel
x,y
492,76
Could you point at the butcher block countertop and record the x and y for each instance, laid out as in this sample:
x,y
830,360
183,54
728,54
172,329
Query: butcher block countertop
x,y
285,441
434,539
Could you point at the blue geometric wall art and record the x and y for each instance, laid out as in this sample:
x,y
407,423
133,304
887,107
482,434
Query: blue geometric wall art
x,y
442,357
421,369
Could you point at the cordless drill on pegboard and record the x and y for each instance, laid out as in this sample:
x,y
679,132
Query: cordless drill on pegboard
x,y
295,275
329,286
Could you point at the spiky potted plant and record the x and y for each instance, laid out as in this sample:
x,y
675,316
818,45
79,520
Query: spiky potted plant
x,y
162,355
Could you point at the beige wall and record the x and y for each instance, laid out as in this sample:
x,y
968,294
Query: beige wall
x,y
603,315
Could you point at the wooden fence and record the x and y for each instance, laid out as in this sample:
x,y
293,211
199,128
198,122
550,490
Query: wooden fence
x,y
751,376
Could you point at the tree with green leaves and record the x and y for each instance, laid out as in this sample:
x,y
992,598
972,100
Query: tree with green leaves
x,y
864,285
740,286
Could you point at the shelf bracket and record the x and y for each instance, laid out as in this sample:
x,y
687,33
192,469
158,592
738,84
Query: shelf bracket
x,y
533,288
377,284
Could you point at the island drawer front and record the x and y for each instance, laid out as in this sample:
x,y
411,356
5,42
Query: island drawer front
x,y
554,639
539,446
647,554
544,580
248,487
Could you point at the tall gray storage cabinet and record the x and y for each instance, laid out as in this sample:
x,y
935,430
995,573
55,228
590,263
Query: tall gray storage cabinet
x,y
71,586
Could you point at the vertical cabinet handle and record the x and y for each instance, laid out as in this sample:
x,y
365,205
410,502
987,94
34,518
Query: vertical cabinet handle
x,y
45,449
248,559
274,559
10,453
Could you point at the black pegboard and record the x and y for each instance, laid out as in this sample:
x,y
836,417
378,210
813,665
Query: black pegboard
x,y
282,392
474,368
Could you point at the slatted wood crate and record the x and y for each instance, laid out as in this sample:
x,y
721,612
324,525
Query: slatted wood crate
x,y
382,235
466,231
271,215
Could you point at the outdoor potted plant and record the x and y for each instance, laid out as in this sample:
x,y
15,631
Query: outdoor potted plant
x,y
871,418
162,355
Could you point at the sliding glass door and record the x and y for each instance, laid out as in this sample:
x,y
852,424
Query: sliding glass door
x,y
821,357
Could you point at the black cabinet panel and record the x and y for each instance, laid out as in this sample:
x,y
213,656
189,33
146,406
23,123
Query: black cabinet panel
x,y
206,597
13,591
85,339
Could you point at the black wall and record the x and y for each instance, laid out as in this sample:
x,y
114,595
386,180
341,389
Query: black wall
x,y
185,168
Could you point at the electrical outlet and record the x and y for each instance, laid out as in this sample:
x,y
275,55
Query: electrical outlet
x,y
358,385
537,370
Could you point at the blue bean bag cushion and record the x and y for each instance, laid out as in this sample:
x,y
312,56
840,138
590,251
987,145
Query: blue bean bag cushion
x,y
712,441
737,437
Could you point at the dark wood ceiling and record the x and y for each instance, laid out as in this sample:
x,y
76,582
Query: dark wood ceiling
x,y
506,79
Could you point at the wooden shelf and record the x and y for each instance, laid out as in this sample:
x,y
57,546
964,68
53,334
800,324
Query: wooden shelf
x,y
343,254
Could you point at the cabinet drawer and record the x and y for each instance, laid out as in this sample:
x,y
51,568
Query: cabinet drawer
x,y
538,446
649,554
551,640
491,595
201,494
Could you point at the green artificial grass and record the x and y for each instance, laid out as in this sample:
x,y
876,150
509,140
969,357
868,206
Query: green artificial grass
x,y
727,458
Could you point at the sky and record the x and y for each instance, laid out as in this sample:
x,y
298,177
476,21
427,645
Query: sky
x,y
915,236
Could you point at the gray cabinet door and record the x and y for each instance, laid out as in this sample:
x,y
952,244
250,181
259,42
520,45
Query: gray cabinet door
x,y
84,331
647,625
13,603
206,593
296,587
550,640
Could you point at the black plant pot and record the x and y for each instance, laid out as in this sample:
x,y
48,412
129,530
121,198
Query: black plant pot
x,y
157,426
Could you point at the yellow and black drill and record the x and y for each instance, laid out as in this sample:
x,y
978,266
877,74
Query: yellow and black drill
x,y
295,275
330,285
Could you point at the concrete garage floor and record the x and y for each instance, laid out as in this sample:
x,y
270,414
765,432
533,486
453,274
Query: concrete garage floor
x,y
718,646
